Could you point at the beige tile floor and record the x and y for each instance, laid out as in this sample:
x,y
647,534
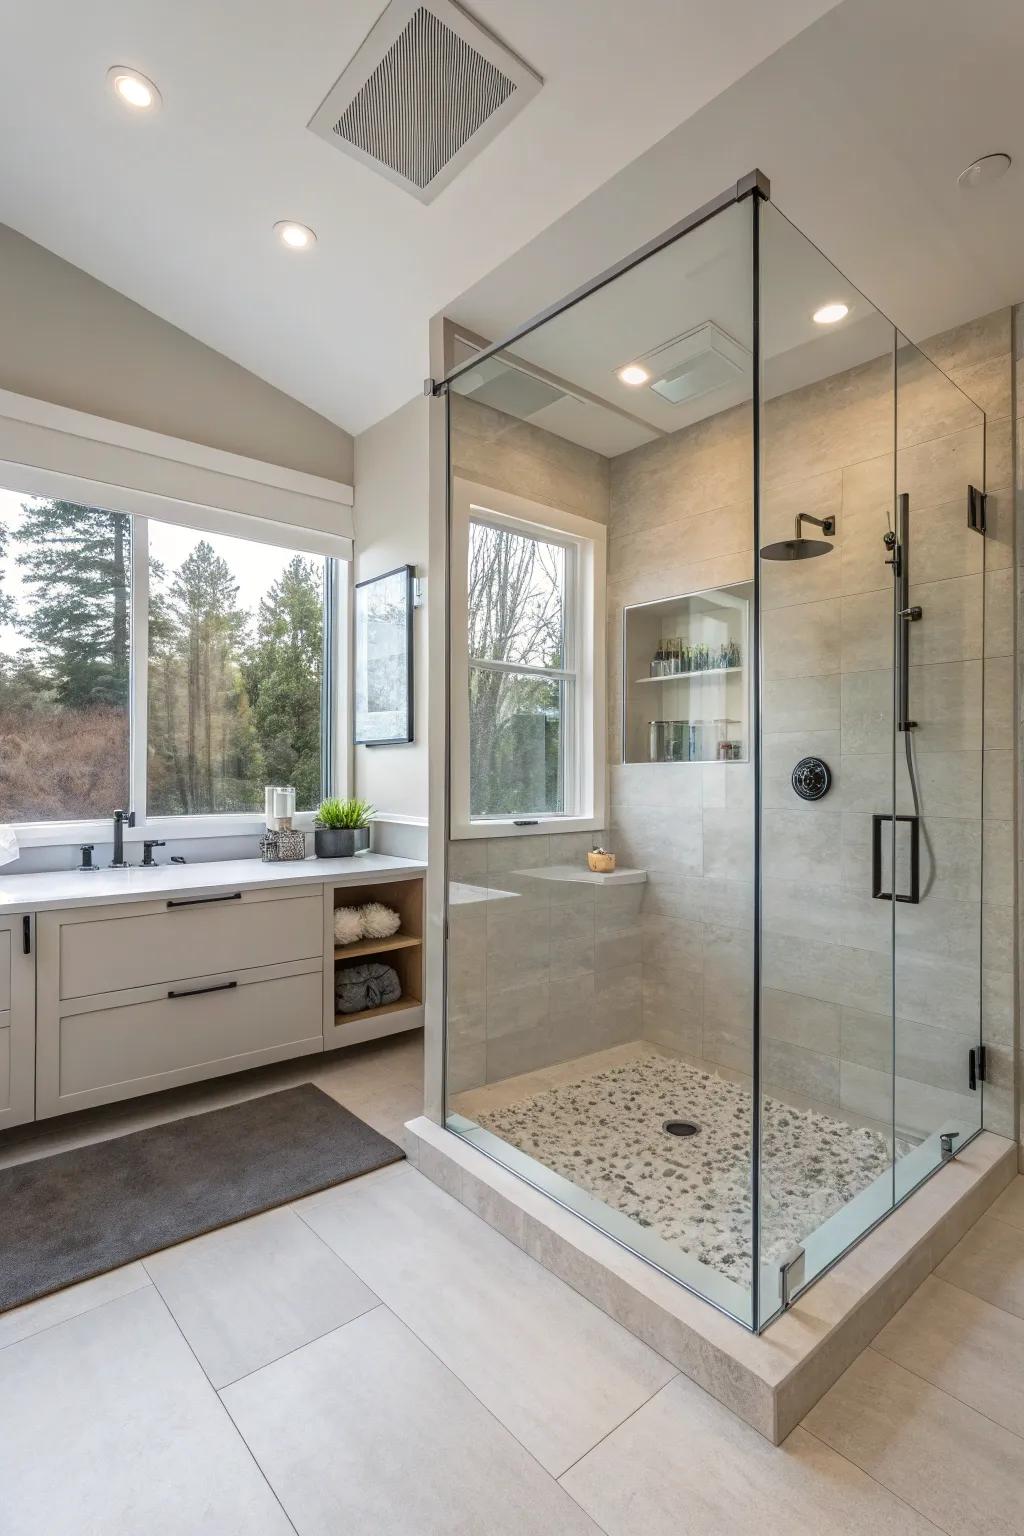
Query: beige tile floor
x,y
377,1359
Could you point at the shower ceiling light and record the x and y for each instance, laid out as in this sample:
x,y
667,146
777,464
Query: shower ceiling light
x,y
133,89
634,374
829,314
297,237
980,172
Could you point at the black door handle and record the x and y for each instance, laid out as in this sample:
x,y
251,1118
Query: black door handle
x,y
218,986
877,892
202,901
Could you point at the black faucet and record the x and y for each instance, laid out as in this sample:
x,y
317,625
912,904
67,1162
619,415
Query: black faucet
x,y
120,817
148,861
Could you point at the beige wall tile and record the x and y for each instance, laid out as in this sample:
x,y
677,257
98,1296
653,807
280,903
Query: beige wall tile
x,y
495,449
802,641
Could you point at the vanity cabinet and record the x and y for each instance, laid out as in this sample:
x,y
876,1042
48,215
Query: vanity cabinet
x,y
17,1021
134,1000
124,983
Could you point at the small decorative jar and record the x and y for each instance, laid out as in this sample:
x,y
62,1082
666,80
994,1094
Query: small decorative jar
x,y
601,861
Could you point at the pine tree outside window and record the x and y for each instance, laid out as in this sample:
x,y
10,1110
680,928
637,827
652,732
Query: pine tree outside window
x,y
149,666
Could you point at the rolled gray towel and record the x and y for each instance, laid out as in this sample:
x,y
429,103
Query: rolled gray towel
x,y
358,987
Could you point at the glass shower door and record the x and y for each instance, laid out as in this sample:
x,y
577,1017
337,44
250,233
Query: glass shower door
x,y
827,774
940,641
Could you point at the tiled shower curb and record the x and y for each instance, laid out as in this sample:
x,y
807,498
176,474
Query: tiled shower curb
x,y
772,1380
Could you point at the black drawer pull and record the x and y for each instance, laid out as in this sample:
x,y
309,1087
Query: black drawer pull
x,y
218,986
201,901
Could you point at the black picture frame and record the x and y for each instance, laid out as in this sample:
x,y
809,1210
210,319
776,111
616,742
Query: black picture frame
x,y
383,702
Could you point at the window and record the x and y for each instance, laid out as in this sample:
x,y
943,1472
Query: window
x,y
65,627
521,688
148,665
527,632
235,673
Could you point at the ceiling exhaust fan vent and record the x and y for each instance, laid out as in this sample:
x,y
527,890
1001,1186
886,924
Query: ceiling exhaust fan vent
x,y
425,92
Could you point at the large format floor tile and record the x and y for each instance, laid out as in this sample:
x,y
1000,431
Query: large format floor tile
x,y
958,1468
1010,1205
686,1466
21,1322
965,1346
366,1431
249,1293
989,1262
553,1368
108,1427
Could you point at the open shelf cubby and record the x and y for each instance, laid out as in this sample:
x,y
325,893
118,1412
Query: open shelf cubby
x,y
403,950
693,713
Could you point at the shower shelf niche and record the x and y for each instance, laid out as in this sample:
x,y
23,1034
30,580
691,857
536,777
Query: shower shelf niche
x,y
678,677
694,714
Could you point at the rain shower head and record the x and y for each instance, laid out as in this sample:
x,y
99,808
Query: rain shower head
x,y
799,548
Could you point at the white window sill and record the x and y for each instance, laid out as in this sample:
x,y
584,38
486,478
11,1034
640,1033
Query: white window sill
x,y
506,827
71,834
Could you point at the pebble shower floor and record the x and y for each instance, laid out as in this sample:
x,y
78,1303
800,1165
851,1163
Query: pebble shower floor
x,y
604,1133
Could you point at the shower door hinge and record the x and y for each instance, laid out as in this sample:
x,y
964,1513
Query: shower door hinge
x,y
975,1067
792,1274
976,509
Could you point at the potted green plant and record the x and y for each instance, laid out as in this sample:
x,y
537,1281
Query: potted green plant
x,y
342,828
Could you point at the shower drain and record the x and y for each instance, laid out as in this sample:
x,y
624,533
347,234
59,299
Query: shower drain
x,y
680,1127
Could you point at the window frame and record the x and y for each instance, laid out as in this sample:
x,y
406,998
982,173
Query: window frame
x,y
583,746
143,509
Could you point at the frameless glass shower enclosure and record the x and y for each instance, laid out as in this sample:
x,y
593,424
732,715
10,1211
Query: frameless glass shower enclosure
x,y
716,756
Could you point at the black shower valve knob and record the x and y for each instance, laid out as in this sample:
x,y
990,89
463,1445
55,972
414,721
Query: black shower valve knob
x,y
811,778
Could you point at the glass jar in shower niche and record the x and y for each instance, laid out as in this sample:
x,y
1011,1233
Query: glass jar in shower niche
x,y
686,677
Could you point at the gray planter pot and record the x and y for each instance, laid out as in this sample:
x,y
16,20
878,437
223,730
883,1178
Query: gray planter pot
x,y
340,842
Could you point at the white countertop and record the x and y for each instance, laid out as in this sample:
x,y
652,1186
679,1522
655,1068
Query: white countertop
x,y
72,888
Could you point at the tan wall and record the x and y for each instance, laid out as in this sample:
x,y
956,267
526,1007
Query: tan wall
x,y
679,521
72,340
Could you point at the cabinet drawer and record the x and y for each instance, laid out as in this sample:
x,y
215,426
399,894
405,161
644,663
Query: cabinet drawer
x,y
181,939
119,1051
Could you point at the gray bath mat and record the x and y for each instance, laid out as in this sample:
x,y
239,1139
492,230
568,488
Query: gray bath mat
x,y
65,1218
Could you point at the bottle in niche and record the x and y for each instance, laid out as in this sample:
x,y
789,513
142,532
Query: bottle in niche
x,y
656,663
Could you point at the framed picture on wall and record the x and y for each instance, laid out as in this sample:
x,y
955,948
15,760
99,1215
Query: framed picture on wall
x,y
383,659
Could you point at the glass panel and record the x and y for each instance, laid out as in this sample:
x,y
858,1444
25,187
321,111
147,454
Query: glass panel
x,y
593,1020
516,598
940,759
827,760
516,732
235,665
65,616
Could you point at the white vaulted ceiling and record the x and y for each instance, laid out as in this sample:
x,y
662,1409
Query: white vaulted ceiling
x,y
176,210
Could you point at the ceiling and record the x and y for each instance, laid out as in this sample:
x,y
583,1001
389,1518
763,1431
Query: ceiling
x,y
563,376
862,123
176,209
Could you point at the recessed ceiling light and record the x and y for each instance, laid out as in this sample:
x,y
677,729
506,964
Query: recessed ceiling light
x,y
297,237
829,314
633,374
133,89
988,168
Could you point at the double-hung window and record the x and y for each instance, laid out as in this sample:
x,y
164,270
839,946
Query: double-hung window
x,y
170,670
527,664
